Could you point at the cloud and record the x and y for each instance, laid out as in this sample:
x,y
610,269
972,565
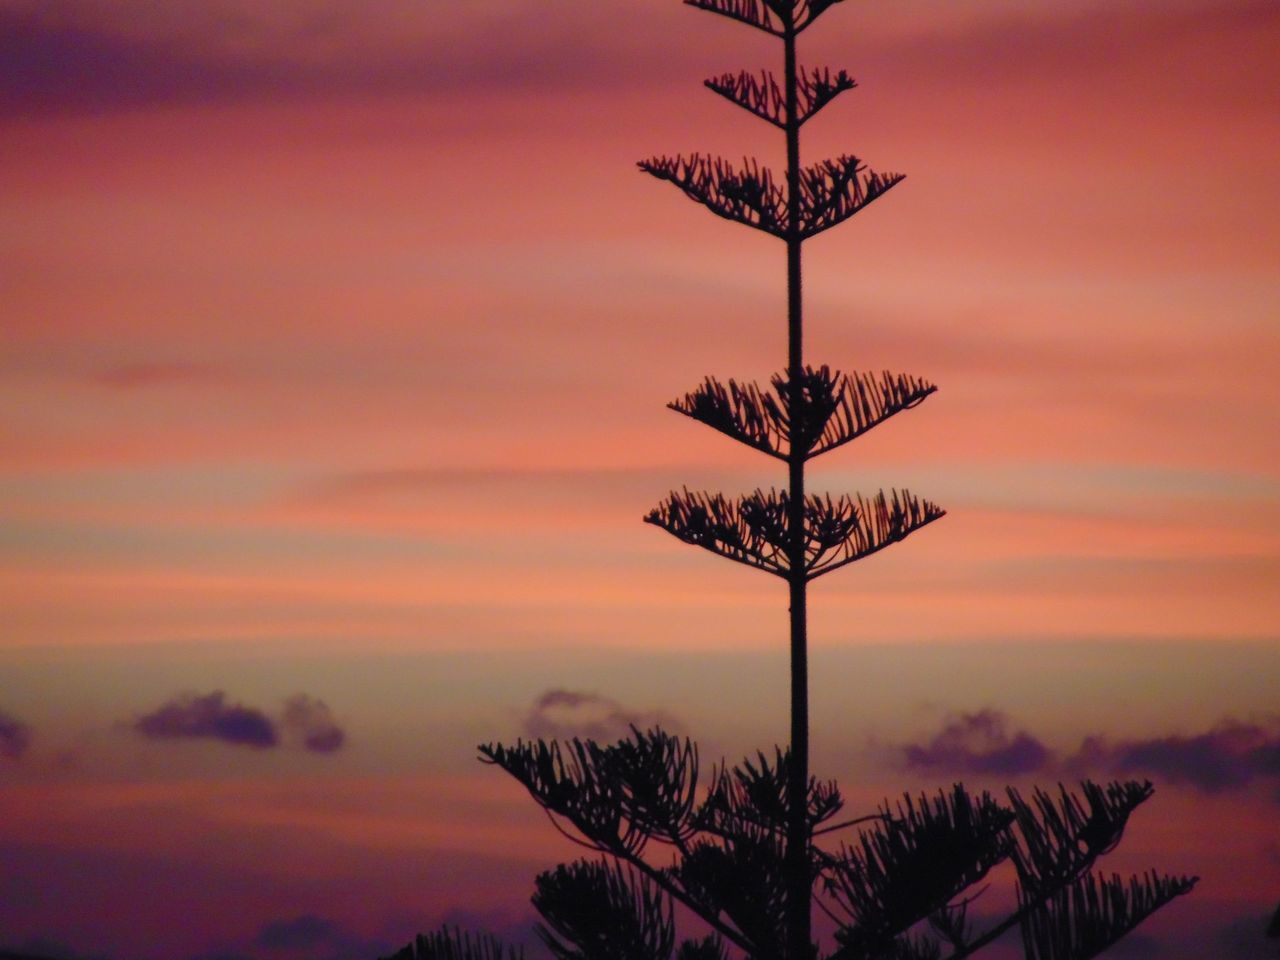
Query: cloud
x,y
1243,938
305,722
313,936
299,933
15,737
83,56
560,714
311,722
979,743
190,716
1230,756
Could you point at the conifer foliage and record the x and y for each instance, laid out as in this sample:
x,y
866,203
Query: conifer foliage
x,y
754,850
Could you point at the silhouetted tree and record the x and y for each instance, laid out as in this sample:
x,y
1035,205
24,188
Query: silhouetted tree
x,y
747,854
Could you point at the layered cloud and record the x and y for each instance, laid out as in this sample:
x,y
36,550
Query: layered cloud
x,y
15,737
1231,755
82,54
189,716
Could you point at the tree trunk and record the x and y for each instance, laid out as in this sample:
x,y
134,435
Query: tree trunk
x,y
796,863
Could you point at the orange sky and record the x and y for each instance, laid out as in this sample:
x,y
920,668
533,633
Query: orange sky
x,y
336,343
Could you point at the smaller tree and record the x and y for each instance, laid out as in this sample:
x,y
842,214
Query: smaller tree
x,y
900,888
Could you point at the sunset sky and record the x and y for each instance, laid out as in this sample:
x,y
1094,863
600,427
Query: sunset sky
x,y
336,343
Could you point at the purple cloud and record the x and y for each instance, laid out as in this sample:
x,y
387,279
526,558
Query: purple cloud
x,y
1229,756
15,737
560,714
311,722
979,743
84,58
190,716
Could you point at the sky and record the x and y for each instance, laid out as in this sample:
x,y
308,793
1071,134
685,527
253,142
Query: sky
x,y
336,343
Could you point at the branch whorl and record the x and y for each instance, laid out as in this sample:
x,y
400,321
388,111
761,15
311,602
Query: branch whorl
x,y
837,408
754,529
762,95
830,192
771,16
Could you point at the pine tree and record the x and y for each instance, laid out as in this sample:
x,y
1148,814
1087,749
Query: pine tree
x,y
747,855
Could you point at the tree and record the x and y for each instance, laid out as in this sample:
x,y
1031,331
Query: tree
x,y
747,856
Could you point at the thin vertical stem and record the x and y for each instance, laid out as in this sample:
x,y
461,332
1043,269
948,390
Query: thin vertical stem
x,y
796,866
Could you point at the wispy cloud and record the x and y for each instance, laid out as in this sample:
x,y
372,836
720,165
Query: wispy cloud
x,y
311,722
85,56
77,53
560,714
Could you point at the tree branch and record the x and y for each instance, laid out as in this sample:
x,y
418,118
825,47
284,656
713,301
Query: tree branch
x,y
747,196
